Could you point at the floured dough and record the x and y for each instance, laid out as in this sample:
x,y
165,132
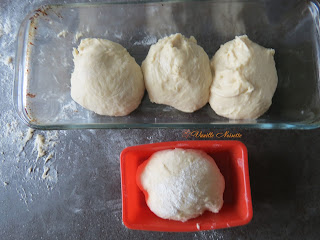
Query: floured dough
x,y
106,79
245,79
177,73
182,184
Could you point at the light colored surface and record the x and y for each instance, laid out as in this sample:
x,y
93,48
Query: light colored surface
x,y
182,184
245,79
83,201
106,79
177,73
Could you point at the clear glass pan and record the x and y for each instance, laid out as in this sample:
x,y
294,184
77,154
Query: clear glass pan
x,y
47,36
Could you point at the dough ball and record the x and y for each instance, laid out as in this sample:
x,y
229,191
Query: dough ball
x,y
106,79
177,73
245,79
182,184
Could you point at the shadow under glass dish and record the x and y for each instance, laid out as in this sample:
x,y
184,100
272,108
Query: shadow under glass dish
x,y
44,61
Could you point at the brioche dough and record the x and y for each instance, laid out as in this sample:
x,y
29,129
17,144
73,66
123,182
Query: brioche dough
x,y
177,73
106,79
244,81
182,184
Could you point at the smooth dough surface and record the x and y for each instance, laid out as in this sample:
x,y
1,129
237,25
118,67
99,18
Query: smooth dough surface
x,y
106,79
182,184
177,73
244,79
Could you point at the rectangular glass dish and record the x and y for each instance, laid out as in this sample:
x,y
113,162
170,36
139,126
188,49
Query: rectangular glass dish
x,y
47,36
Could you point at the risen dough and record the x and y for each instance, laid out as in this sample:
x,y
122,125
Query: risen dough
x,y
177,73
245,79
106,79
182,184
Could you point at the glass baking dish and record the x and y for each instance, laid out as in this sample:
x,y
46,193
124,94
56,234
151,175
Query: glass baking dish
x,y
44,61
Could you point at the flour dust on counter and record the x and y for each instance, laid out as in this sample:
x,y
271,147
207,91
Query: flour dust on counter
x,y
6,31
115,206
43,147
21,150
11,129
33,171
7,60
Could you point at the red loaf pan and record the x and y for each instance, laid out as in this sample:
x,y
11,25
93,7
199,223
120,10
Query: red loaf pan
x,y
232,160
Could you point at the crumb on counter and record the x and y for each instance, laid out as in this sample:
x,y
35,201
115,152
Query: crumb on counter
x,y
62,34
38,145
77,36
48,158
7,60
45,172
